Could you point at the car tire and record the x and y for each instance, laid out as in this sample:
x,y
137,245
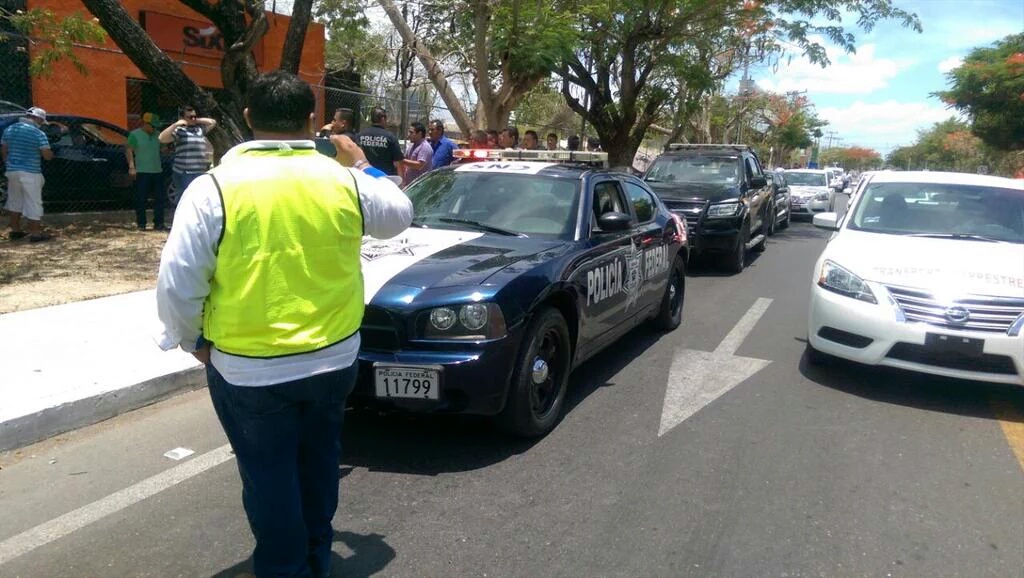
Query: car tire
x,y
738,258
814,357
670,314
789,216
772,218
763,231
541,376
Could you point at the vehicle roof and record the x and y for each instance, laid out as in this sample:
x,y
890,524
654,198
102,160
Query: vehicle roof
x,y
938,177
539,168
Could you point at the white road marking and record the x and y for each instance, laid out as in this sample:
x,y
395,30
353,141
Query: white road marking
x,y
57,528
698,378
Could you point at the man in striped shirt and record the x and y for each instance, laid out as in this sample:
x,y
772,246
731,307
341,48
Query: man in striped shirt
x,y
23,147
189,138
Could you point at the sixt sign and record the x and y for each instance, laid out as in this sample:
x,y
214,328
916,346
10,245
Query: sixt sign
x,y
176,35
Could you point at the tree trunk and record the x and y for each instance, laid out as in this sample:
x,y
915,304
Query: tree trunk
x,y
291,54
433,68
162,71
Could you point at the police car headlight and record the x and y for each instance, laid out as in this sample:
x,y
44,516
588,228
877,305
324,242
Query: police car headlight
x,y
839,280
472,322
443,318
822,196
723,210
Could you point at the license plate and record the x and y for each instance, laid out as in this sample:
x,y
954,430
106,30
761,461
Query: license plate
x,y
954,344
407,382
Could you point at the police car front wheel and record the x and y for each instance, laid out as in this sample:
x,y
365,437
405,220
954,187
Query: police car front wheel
x,y
670,315
537,390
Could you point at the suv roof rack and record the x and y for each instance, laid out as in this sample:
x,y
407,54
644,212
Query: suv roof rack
x,y
679,146
587,158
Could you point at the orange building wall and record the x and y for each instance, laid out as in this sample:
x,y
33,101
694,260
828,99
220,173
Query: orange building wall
x,y
102,92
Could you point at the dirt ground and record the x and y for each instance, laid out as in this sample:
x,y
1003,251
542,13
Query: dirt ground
x,y
82,261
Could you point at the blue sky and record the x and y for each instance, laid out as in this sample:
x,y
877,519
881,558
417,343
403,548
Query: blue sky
x,y
879,96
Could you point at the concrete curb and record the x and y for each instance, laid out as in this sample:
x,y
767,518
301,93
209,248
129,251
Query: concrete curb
x,y
28,429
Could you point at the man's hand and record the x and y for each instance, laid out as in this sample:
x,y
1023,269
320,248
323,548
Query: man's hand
x,y
349,152
202,354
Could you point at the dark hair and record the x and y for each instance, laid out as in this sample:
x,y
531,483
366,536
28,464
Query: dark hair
x,y
280,102
479,137
573,143
185,110
594,142
346,115
551,134
437,124
533,133
492,132
378,115
512,132
418,128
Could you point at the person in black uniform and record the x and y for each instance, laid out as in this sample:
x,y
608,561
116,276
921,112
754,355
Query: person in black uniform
x,y
381,145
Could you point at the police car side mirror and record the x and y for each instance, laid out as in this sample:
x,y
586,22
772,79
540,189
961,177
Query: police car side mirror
x,y
613,221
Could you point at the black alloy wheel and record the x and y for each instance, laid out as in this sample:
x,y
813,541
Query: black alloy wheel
x,y
738,258
670,315
541,377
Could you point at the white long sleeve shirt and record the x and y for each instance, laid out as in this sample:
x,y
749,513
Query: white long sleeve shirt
x,y
190,257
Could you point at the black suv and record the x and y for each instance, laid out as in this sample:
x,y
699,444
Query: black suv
x,y
723,194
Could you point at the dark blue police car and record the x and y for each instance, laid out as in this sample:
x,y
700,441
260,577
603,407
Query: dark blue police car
x,y
517,268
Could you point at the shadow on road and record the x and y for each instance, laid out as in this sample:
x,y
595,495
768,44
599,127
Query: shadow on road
x,y
430,445
370,555
920,391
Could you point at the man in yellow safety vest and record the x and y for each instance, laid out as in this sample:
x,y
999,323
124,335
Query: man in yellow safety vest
x,y
261,280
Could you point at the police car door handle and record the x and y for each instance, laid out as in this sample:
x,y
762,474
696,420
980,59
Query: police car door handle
x,y
98,160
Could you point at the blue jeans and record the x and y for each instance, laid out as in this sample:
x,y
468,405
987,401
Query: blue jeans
x,y
287,441
181,182
145,185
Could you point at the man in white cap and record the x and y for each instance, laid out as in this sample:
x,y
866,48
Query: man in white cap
x,y
23,147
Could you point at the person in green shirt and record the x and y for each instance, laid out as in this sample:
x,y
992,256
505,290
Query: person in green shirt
x,y
143,152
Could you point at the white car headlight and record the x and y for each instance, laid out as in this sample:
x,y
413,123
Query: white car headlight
x,y
475,321
724,210
839,280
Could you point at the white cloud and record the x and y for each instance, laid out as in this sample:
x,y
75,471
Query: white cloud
x,y
950,63
883,125
859,73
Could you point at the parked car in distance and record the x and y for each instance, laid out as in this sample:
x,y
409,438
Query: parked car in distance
x,y
780,194
89,170
809,191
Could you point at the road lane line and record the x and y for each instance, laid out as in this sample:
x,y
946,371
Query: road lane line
x,y
1012,421
57,528
734,339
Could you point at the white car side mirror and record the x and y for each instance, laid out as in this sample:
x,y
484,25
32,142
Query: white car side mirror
x,y
827,221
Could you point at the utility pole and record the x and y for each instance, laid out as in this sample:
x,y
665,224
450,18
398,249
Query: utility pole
x,y
830,134
744,92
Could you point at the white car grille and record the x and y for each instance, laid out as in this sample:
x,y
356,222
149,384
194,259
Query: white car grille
x,y
972,312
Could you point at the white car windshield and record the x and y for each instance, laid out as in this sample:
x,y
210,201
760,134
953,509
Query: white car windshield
x,y
941,210
496,202
798,179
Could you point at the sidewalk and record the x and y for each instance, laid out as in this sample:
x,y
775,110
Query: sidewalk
x,y
68,366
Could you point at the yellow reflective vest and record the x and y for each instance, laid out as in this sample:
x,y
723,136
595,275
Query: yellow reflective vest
x,y
288,278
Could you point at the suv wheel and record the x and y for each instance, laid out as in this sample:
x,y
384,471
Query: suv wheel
x,y
738,259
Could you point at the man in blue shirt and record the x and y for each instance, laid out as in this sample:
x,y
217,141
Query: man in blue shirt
x,y
24,146
443,146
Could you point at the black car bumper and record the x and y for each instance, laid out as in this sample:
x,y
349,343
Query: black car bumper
x,y
713,236
471,381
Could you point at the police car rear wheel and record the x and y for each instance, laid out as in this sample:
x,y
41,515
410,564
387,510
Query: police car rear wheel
x,y
538,385
671,313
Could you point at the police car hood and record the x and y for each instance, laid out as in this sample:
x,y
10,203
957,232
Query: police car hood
x,y
431,258
936,265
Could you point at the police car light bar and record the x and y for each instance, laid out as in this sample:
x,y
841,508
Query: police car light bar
x,y
577,157
679,146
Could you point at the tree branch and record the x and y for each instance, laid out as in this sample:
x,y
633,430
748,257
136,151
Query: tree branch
x,y
291,53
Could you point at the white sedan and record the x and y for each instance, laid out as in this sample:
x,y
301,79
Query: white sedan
x,y
925,272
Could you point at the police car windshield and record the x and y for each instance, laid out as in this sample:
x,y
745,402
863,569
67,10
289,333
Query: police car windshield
x,y
963,212
718,170
527,204
805,179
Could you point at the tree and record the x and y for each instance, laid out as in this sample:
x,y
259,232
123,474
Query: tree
x,y
632,52
513,45
241,23
851,158
989,88
54,38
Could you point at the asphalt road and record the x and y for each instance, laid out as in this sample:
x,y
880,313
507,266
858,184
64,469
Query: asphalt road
x,y
795,471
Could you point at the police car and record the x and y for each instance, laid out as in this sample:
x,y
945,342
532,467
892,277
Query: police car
x,y
925,272
519,266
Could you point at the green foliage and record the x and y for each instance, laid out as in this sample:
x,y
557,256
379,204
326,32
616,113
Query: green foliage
x,y
530,37
54,37
989,87
950,146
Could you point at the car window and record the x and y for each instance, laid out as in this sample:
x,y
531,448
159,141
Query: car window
x,y
522,203
807,179
607,199
941,209
642,201
100,134
717,169
753,169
